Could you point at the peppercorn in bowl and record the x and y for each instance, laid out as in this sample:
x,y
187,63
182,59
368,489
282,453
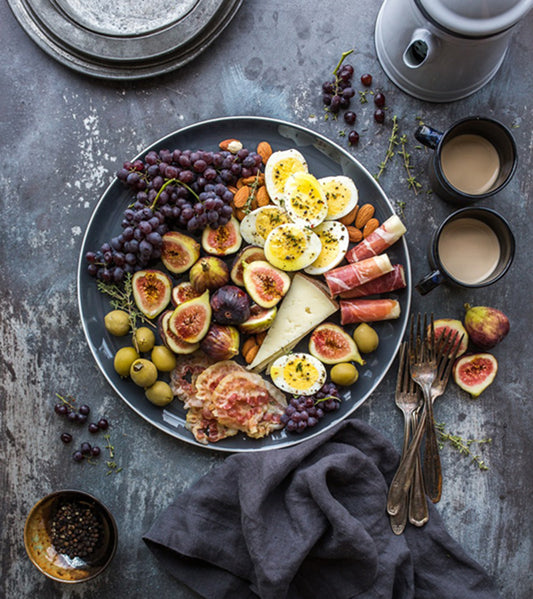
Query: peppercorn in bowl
x,y
70,536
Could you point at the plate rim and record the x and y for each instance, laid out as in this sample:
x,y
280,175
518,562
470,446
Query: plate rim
x,y
296,440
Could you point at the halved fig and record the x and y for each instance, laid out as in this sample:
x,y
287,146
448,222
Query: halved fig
x,y
183,292
452,327
190,321
249,254
210,273
265,283
221,342
230,305
223,240
475,372
330,344
173,342
260,320
179,251
151,291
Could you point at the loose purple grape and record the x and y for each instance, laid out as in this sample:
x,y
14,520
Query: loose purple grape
x,y
77,456
103,424
366,79
66,437
60,409
353,138
84,409
379,115
379,100
85,448
349,117
95,451
93,428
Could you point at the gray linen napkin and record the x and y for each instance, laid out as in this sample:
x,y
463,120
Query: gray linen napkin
x,y
309,522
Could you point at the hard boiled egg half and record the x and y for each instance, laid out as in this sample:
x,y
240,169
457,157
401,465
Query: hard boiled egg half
x,y
305,200
298,373
333,236
292,247
256,225
279,167
341,195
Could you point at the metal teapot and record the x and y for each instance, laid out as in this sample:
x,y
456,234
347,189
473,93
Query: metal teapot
x,y
444,50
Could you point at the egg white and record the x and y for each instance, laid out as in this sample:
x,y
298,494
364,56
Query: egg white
x,y
292,247
334,239
298,373
341,195
305,201
278,168
256,225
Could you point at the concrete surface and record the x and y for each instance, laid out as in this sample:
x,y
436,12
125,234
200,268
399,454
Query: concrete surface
x,y
62,137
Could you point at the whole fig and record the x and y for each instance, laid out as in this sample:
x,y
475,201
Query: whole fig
x,y
230,305
486,326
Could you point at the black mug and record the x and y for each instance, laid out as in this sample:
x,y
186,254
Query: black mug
x,y
473,247
473,160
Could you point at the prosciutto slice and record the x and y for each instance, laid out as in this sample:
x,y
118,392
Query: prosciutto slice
x,y
378,241
347,277
395,279
368,310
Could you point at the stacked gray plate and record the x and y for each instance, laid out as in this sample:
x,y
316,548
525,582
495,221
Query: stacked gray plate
x,y
130,39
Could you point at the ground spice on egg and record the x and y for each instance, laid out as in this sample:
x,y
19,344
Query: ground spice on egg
x,y
76,530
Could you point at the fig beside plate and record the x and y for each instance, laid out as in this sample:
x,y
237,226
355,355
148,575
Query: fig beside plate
x,y
486,326
475,372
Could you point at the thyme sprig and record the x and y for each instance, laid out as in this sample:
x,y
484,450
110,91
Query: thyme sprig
x,y
253,192
113,467
122,299
463,446
411,179
393,142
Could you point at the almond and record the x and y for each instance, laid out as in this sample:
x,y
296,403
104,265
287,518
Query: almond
x,y
263,199
264,150
350,217
233,189
259,179
370,227
354,235
231,145
251,353
365,213
260,337
248,344
241,197
239,214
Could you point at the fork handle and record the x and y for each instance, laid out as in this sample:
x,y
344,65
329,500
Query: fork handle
x,y
418,507
432,466
404,475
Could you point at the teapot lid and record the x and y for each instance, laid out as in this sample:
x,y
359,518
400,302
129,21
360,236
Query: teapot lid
x,y
475,18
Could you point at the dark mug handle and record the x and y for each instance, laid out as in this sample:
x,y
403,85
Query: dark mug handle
x,y
428,136
429,282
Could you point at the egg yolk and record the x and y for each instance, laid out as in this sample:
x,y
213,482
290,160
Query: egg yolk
x,y
300,374
268,220
337,195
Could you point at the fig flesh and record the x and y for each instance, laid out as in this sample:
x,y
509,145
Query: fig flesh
x,y
265,283
450,328
486,326
151,291
223,240
179,251
332,345
183,292
190,321
221,342
208,272
173,342
245,256
475,372
230,305
260,320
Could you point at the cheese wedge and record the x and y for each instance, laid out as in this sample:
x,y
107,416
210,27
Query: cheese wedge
x,y
305,306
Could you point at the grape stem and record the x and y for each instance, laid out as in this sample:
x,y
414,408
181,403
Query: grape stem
x,y
344,55
154,203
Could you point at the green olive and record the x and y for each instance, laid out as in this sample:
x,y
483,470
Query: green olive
x,y
344,374
366,338
144,339
160,393
143,373
124,358
117,322
163,358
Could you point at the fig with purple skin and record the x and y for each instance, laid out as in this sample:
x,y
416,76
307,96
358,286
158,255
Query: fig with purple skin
x,y
210,273
223,240
486,326
190,321
230,305
179,251
221,342
475,372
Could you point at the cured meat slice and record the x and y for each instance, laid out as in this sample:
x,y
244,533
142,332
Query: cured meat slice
x,y
378,241
368,310
205,428
208,380
347,277
395,279
183,377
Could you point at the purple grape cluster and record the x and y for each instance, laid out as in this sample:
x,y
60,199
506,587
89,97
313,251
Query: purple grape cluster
x,y
179,189
305,411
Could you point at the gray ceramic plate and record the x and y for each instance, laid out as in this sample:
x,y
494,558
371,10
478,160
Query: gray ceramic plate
x,y
324,158
127,39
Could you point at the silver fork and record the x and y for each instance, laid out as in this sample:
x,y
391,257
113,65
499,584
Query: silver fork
x,y
403,477
406,398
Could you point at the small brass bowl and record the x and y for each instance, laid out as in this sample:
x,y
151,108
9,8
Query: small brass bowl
x,y
59,566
